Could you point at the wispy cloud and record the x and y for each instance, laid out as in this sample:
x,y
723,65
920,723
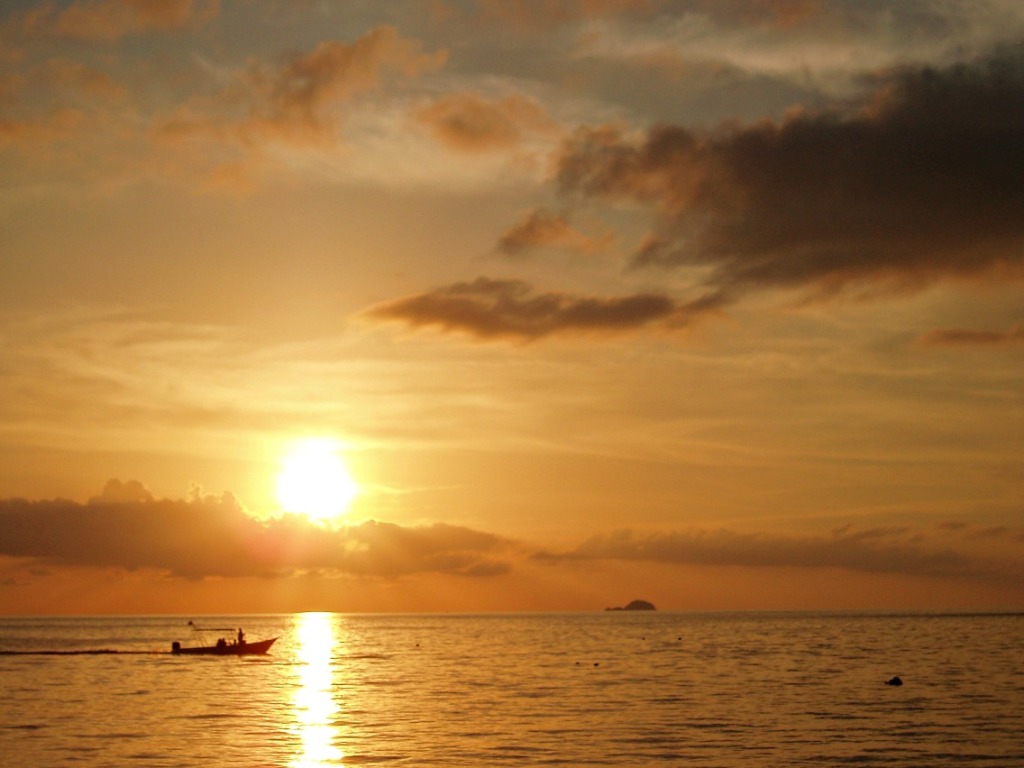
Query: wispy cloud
x,y
894,550
210,123
797,46
296,101
530,17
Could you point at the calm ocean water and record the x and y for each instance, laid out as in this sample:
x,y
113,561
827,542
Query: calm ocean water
x,y
579,689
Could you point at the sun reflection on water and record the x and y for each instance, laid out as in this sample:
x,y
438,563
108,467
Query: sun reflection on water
x,y
315,708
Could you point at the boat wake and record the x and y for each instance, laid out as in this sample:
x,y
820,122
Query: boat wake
x,y
89,652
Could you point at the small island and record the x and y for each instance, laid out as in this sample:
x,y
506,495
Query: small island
x,y
636,605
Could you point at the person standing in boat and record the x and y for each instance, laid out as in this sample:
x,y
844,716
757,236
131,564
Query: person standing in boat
x,y
241,636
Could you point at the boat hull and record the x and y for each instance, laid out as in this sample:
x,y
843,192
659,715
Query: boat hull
x,y
232,649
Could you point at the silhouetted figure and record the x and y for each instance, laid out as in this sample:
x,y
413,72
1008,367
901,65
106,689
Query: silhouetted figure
x,y
241,636
894,681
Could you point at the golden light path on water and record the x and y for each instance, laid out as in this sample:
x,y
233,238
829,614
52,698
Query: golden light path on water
x,y
315,707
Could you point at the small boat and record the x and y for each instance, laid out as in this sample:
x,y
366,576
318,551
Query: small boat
x,y
224,648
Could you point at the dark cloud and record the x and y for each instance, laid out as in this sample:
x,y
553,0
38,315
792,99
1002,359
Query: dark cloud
x,y
118,492
877,550
967,337
923,180
126,527
510,309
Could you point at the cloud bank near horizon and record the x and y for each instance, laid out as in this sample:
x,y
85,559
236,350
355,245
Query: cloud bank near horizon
x,y
213,536
210,536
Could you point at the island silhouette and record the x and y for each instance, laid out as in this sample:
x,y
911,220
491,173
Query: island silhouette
x,y
636,605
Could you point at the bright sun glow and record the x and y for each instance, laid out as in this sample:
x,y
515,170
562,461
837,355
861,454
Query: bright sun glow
x,y
315,482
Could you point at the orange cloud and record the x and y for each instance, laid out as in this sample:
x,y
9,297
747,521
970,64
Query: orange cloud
x,y
111,20
297,101
55,100
296,96
539,228
469,123
77,77
781,13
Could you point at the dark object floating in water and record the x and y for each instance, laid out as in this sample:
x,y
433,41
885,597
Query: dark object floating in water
x,y
636,605
223,648
209,629
894,681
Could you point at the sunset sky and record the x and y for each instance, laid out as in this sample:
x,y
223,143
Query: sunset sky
x,y
717,304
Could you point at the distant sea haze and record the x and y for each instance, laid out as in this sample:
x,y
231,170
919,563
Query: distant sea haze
x,y
578,689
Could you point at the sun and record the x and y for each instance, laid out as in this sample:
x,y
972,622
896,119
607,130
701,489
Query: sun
x,y
315,482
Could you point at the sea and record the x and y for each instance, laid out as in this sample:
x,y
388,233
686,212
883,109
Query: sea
x,y
618,688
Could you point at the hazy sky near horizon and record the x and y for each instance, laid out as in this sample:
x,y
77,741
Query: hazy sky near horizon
x,y
716,304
